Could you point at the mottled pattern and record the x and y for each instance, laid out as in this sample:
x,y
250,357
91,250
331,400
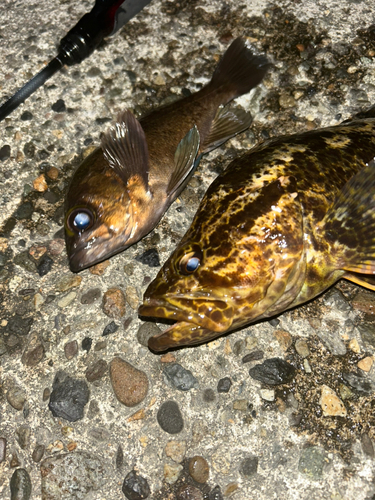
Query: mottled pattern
x,y
260,235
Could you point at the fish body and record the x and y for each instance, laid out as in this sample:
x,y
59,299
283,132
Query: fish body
x,y
119,193
279,226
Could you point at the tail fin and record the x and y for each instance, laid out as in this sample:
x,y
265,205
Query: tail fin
x,y
239,69
350,224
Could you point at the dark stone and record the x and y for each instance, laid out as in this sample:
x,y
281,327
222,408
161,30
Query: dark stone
x,y
249,466
135,487
253,356
59,106
29,150
179,377
86,344
23,434
169,417
359,383
96,370
216,494
4,152
24,211
273,371
149,257
26,115
274,322
110,328
209,395
224,384
43,155
91,296
68,398
45,265
19,325
20,485
51,197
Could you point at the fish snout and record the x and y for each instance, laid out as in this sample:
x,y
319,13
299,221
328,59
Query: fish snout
x,y
215,315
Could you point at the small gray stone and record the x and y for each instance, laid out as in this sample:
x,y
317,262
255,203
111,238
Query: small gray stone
x,y
331,338
302,348
24,434
169,417
179,377
16,398
273,371
224,385
71,349
71,475
91,296
3,449
20,485
96,370
311,462
249,466
361,384
146,331
24,260
68,398
38,452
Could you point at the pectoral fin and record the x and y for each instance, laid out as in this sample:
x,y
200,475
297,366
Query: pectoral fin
x,y
184,161
350,225
362,280
125,148
226,124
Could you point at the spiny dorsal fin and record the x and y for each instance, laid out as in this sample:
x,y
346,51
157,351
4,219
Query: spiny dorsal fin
x,y
226,124
350,222
125,148
184,161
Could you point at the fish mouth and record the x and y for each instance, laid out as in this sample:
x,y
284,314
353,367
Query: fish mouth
x,y
198,319
81,258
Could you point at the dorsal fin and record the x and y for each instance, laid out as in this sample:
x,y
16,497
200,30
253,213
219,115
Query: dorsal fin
x,y
184,161
125,148
350,223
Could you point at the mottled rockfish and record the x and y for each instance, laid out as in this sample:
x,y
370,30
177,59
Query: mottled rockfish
x,y
279,226
120,192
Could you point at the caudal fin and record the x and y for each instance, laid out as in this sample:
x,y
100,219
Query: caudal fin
x,y
350,225
239,69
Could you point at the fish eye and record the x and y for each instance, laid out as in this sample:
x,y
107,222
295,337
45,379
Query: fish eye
x,y
80,219
190,262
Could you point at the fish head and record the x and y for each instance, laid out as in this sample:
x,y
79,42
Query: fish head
x,y
99,215
242,259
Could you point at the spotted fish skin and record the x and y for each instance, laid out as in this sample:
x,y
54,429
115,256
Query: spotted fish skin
x,y
279,226
119,193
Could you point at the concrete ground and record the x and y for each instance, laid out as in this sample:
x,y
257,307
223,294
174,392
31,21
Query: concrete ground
x,y
259,441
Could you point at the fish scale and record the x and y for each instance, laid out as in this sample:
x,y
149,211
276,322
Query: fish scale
x,y
280,225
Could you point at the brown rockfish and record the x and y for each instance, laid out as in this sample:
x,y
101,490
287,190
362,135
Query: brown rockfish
x,y
119,193
278,227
